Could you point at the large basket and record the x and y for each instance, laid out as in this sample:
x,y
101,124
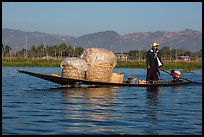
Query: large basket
x,y
117,78
99,72
71,72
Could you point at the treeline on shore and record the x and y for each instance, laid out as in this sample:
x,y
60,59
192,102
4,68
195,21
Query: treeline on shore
x,y
63,50
51,56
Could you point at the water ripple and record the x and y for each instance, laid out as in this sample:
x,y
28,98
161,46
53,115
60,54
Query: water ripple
x,y
34,106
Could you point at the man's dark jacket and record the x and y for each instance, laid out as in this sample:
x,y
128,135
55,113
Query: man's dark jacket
x,y
152,60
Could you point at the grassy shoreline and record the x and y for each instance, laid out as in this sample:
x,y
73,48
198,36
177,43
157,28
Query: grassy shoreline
x,y
192,65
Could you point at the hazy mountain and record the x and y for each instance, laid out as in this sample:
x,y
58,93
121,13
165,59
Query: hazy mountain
x,y
111,40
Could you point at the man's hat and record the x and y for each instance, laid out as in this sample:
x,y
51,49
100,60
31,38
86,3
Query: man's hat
x,y
155,44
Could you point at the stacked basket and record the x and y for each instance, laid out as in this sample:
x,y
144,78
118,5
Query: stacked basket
x,y
99,72
100,64
74,68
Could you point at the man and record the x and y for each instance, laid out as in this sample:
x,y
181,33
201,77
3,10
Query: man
x,y
154,64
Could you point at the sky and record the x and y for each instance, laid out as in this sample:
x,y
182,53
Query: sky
x,y
80,18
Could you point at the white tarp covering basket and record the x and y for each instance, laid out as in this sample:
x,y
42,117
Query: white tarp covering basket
x,y
100,64
74,68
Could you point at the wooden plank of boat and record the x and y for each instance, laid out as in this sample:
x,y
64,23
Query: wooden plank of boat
x,y
68,81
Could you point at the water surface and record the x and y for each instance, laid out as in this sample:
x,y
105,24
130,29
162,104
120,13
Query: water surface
x,y
34,106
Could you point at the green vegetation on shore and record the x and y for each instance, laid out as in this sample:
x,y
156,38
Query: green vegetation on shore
x,y
192,65
31,63
167,64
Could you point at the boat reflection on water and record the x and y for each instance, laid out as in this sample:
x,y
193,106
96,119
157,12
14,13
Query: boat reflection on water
x,y
87,109
91,95
152,108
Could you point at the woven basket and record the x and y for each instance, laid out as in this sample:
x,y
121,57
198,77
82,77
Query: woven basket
x,y
71,72
99,72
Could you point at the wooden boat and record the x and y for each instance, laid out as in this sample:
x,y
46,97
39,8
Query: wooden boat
x,y
76,82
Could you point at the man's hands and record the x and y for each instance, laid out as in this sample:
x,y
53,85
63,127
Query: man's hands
x,y
160,68
148,66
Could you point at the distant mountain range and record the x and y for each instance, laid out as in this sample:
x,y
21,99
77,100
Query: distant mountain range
x,y
187,39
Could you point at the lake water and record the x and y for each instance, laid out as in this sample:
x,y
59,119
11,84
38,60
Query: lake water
x,y
34,106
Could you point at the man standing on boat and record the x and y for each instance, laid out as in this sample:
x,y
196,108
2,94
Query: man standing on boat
x,y
154,63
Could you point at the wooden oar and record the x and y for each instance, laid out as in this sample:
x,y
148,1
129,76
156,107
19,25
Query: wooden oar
x,y
179,77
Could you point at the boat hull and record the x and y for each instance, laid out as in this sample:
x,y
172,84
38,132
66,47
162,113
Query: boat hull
x,y
74,82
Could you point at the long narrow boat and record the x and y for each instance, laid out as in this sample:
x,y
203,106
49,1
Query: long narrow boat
x,y
74,82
